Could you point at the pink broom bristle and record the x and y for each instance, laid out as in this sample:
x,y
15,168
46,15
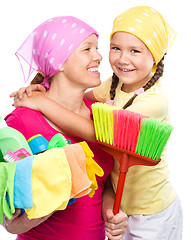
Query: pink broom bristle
x,y
127,126
115,127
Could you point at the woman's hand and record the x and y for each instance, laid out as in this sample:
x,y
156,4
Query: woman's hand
x,y
18,225
28,91
115,225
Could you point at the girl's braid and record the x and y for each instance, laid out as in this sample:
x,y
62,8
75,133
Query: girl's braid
x,y
115,81
153,80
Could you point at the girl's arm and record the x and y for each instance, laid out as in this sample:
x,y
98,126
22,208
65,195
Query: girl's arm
x,y
38,87
90,96
61,116
28,90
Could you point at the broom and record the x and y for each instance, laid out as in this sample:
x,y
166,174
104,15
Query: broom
x,y
132,139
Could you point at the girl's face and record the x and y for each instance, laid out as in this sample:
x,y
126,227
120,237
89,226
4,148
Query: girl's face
x,y
81,68
130,60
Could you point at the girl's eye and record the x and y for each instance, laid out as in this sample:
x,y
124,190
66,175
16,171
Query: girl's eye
x,y
135,51
115,48
87,49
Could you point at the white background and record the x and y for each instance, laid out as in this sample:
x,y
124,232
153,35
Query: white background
x,y
19,18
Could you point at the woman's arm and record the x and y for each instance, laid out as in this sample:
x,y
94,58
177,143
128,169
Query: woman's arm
x,y
18,225
115,225
61,116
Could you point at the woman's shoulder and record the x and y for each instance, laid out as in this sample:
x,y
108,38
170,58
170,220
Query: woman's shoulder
x,y
22,119
22,113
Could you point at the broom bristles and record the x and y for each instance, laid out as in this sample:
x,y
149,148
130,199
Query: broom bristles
x,y
130,131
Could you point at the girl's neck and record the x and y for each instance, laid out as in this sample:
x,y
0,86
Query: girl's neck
x,y
128,88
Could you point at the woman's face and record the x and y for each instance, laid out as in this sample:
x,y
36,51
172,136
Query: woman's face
x,y
131,60
81,68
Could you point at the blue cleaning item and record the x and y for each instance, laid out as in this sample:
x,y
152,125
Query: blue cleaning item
x,y
38,144
23,183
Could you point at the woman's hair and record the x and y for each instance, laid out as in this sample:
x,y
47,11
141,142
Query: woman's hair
x,y
153,80
39,78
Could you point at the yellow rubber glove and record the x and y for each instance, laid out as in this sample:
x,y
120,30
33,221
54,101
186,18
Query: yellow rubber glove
x,y
92,168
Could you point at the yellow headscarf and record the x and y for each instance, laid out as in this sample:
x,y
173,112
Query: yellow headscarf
x,y
149,26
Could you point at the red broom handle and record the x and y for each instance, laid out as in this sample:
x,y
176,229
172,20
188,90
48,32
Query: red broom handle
x,y
120,185
119,192
121,181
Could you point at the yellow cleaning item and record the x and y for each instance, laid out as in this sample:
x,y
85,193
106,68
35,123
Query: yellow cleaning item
x,y
51,183
60,174
92,168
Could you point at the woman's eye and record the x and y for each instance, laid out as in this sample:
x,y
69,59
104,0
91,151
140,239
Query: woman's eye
x,y
87,49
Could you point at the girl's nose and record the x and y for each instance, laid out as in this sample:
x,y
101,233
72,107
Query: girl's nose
x,y
124,59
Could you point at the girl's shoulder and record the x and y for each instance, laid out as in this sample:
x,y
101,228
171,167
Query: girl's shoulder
x,y
152,103
101,93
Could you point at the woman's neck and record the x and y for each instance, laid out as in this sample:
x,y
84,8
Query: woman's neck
x,y
69,95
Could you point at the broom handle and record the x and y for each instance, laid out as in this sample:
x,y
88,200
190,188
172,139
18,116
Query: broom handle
x,y
121,181
120,184
119,192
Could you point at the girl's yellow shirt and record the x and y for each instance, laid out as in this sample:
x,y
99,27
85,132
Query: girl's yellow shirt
x,y
147,189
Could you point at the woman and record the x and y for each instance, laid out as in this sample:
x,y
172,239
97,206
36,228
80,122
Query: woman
x,y
64,52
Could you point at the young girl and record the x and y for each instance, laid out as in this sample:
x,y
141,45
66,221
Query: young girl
x,y
139,41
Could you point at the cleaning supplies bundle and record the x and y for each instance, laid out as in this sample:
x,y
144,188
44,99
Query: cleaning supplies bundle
x,y
53,175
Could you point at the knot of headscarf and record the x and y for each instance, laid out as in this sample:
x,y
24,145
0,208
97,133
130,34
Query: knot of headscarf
x,y
149,26
50,44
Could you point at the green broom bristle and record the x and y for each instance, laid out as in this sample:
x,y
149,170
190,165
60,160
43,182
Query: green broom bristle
x,y
153,138
121,128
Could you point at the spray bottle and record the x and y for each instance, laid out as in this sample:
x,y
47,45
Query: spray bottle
x,y
13,145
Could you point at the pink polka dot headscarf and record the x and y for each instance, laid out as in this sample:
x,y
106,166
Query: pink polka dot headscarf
x,y
50,44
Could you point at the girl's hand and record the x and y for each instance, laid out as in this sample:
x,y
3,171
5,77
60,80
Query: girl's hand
x,y
18,225
33,102
115,225
28,91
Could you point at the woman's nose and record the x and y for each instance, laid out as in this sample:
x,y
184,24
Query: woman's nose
x,y
98,57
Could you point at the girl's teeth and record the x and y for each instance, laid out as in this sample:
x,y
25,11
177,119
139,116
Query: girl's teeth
x,y
126,70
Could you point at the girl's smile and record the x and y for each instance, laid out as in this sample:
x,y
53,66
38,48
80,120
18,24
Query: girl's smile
x,y
131,61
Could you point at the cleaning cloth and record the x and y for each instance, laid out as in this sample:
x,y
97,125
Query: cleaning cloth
x,y
7,173
51,183
23,183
